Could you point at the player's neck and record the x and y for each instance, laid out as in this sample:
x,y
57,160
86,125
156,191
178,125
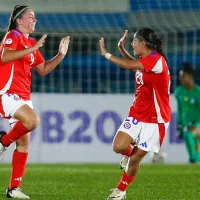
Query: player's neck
x,y
146,52
190,86
24,32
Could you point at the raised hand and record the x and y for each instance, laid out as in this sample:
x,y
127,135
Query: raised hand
x,y
122,41
102,47
64,44
41,41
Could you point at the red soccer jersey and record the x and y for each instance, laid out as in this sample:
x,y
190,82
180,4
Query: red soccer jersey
x,y
151,102
15,76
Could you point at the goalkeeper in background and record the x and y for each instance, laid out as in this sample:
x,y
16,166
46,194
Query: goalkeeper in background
x,y
188,101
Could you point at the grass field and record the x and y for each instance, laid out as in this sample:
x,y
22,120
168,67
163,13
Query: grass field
x,y
93,182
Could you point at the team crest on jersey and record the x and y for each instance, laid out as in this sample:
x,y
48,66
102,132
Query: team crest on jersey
x,y
9,41
127,125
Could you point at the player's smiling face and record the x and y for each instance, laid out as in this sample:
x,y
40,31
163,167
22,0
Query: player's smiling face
x,y
137,46
28,20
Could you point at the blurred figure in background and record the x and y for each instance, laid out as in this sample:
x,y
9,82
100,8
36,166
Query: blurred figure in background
x,y
188,116
19,55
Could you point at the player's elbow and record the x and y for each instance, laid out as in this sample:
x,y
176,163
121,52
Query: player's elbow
x,y
41,70
43,74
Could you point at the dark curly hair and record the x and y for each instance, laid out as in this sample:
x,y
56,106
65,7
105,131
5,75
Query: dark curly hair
x,y
152,39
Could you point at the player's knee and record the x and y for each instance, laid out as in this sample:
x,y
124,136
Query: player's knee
x,y
119,147
33,123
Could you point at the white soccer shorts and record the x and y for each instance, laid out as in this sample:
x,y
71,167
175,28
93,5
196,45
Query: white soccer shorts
x,y
148,136
10,103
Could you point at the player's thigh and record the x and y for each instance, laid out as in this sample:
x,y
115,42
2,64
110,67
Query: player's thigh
x,y
13,106
127,132
122,141
26,114
13,120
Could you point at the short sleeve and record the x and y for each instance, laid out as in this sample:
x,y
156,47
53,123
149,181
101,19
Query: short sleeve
x,y
11,41
152,62
39,58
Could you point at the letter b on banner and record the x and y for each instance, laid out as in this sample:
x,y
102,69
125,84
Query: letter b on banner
x,y
52,127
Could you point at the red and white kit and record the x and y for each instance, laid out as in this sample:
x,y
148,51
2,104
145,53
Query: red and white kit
x,y
149,115
15,76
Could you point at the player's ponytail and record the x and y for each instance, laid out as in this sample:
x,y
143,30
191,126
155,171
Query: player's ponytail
x,y
16,13
159,49
152,40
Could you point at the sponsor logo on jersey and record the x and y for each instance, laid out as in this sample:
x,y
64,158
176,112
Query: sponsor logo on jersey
x,y
16,97
9,41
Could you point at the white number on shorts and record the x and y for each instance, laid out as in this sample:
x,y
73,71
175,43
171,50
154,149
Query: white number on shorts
x,y
134,121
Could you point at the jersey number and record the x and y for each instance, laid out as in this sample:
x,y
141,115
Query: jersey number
x,y
32,58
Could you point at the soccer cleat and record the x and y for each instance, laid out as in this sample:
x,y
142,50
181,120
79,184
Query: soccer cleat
x,y
124,162
159,157
117,194
2,147
16,193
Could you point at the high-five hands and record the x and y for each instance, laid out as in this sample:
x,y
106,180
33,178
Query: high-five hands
x,y
64,44
122,41
102,47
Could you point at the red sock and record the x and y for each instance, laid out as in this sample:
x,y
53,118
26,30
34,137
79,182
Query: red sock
x,y
18,168
14,134
130,150
125,181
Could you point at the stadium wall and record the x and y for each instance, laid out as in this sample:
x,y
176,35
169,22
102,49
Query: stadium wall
x,y
80,129
69,6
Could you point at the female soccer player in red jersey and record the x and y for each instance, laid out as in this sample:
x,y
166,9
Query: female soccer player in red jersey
x,y
148,119
19,54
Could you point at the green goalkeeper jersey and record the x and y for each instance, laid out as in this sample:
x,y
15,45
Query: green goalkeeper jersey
x,y
188,105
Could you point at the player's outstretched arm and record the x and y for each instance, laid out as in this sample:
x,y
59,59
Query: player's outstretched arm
x,y
44,68
121,48
10,54
122,62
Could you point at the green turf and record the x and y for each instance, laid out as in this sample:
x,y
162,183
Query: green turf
x,y
92,182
